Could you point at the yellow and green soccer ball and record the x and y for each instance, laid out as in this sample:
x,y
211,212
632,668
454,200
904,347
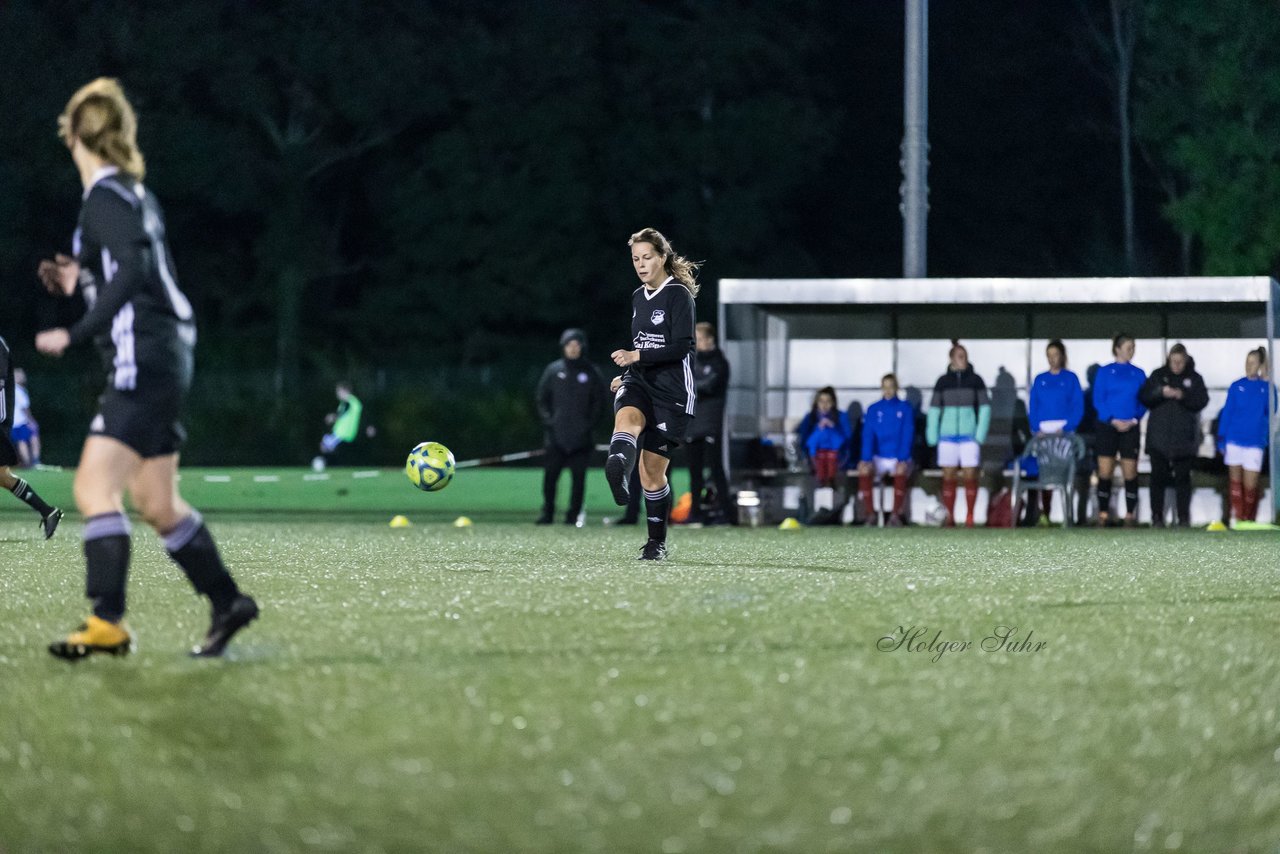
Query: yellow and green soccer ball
x,y
430,466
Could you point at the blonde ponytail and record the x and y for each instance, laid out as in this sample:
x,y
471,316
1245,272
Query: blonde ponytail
x,y
100,116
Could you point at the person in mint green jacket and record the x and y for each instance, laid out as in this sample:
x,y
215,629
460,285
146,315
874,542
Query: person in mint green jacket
x,y
344,425
957,423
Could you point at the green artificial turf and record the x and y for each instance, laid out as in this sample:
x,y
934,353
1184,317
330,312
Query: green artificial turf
x,y
509,494
514,688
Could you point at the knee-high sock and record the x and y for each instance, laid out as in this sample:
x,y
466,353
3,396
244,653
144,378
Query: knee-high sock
x,y
949,497
1236,492
1046,502
1131,497
28,496
657,507
899,493
192,548
1249,504
970,495
625,444
866,485
1104,494
106,554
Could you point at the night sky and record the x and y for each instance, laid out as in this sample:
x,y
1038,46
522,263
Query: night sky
x,y
352,186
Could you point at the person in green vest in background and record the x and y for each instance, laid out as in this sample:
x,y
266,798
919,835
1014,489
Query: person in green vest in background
x,y
344,425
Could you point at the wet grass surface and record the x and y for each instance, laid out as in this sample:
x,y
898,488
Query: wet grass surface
x,y
512,688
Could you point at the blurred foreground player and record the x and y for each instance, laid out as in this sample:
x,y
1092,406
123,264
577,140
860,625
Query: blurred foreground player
x,y
143,326
49,516
655,395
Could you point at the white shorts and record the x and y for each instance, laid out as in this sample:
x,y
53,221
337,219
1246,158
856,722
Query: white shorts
x,y
883,466
1053,426
1250,459
958,454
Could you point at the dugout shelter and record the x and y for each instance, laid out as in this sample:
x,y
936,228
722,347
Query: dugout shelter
x,y
786,338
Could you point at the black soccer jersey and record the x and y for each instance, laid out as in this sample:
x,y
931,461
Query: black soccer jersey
x,y
141,323
6,389
662,331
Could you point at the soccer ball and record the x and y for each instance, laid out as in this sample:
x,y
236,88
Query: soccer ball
x,y
430,466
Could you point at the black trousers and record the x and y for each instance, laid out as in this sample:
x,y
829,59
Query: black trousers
x,y
1165,471
556,461
703,452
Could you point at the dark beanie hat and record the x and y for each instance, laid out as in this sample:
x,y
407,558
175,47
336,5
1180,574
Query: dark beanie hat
x,y
573,335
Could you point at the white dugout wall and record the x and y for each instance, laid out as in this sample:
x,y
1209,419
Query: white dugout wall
x,y
785,338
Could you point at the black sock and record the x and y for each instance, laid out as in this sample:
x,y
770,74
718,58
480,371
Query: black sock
x,y
657,507
192,548
25,493
106,554
625,444
1131,497
1104,495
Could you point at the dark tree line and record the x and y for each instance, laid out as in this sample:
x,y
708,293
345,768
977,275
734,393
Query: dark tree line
x,y
422,194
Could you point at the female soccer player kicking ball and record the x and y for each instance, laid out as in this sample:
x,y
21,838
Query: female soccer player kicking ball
x,y
654,397
143,326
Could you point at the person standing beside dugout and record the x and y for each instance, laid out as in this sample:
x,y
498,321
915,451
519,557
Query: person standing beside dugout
x,y
706,436
1174,394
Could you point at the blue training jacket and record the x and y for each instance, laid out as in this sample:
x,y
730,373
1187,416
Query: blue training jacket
x,y
1243,420
1115,392
888,429
834,438
1056,397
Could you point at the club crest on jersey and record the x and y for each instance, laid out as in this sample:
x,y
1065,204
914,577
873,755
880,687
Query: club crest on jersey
x,y
658,316
582,377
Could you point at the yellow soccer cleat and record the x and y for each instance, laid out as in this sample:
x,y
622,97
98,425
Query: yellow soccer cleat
x,y
94,635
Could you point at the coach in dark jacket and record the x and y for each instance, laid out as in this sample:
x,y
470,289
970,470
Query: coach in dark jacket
x,y
571,398
706,432
1174,394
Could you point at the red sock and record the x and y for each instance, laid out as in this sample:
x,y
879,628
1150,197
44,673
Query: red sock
x,y
1251,504
949,498
970,497
1237,500
866,485
899,493
825,467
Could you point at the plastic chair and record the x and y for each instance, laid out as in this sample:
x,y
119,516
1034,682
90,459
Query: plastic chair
x,y
1056,458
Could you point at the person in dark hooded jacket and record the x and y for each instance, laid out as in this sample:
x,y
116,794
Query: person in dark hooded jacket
x,y
705,444
571,398
1174,395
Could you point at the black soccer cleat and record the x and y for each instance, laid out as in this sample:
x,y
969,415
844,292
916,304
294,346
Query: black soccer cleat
x,y
49,523
615,471
653,550
225,624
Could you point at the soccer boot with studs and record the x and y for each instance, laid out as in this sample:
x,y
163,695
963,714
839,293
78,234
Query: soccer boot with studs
x,y
49,523
224,625
615,472
653,550
94,635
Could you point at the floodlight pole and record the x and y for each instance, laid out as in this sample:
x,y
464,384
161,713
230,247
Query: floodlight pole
x,y
915,141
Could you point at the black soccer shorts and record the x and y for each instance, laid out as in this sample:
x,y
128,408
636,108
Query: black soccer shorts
x,y
1110,441
148,421
664,425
